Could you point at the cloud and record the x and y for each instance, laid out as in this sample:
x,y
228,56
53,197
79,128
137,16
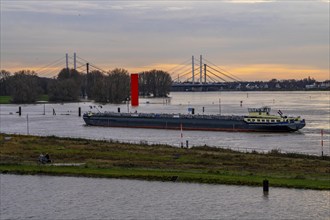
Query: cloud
x,y
182,8
144,33
250,1
74,7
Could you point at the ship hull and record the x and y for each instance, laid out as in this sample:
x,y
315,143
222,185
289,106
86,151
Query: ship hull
x,y
236,124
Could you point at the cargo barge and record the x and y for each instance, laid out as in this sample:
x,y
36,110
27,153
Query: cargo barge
x,y
258,120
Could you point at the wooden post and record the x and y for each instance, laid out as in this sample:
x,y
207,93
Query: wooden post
x,y
79,111
19,110
265,185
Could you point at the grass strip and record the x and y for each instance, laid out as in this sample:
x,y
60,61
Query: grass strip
x,y
19,153
163,175
5,99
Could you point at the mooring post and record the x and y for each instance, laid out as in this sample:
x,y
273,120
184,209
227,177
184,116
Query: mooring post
x,y
79,111
265,185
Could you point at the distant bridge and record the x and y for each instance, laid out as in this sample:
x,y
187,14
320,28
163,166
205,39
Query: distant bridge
x,y
80,64
205,72
190,75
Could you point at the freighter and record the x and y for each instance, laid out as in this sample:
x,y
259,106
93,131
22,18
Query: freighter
x,y
258,120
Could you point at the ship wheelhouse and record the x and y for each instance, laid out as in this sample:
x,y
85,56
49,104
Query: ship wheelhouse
x,y
263,116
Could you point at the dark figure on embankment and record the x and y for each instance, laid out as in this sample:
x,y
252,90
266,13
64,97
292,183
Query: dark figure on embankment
x,y
44,159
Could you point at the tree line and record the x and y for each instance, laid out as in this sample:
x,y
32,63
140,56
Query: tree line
x,y
70,85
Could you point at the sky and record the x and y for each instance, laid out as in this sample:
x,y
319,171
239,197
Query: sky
x,y
252,39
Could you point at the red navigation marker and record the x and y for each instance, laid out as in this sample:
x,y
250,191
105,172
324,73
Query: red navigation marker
x,y
135,89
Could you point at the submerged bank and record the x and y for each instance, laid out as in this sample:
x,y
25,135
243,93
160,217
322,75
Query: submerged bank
x,y
19,154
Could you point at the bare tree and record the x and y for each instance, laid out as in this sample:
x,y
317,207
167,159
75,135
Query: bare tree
x,y
24,87
4,82
155,82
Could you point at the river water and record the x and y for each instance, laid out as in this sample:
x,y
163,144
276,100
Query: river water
x,y
313,106
47,197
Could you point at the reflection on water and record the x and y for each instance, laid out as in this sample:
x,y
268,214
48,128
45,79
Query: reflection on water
x,y
313,106
46,197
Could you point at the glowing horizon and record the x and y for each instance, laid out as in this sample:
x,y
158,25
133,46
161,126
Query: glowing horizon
x,y
254,72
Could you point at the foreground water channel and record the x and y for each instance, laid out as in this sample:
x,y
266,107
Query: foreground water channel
x,y
46,197
38,119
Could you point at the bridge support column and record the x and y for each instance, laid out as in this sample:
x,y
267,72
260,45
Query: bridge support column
x,y
193,70
205,73
200,70
67,61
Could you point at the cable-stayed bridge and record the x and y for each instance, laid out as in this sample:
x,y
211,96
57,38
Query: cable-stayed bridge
x,y
80,64
194,74
200,71
200,74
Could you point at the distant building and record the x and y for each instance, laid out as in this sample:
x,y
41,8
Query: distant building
x,y
312,86
325,84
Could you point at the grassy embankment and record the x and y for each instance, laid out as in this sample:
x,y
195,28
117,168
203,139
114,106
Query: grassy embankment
x,y
18,154
7,99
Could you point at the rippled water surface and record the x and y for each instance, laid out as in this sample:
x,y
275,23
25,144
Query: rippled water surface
x,y
313,106
46,197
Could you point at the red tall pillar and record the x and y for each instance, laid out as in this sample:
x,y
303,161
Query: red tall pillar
x,y
135,90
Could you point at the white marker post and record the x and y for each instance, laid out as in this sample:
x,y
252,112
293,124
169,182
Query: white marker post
x,y
322,141
27,124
